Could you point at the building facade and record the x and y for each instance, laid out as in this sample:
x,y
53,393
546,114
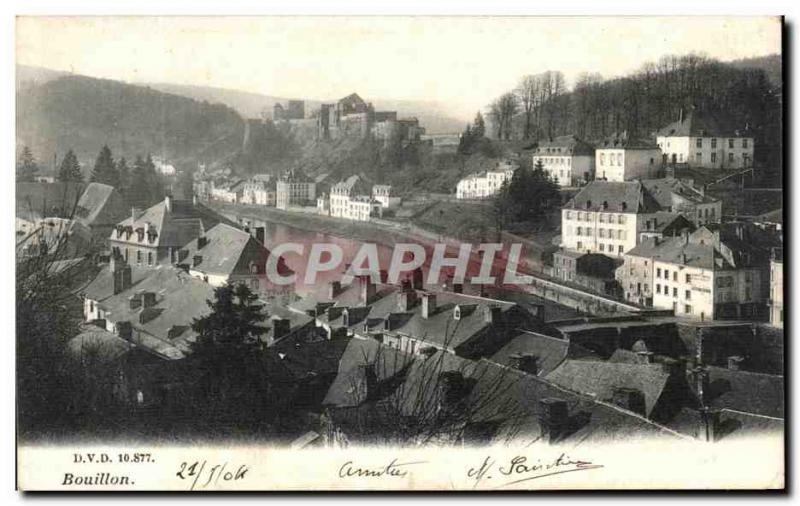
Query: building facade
x,y
620,158
776,288
568,160
294,188
700,140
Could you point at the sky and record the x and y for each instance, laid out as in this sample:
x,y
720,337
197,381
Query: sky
x,y
463,62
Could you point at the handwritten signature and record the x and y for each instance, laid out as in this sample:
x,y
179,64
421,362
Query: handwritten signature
x,y
394,469
520,469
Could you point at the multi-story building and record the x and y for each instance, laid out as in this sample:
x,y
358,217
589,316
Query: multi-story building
x,y
228,255
711,273
606,217
776,288
294,188
154,236
568,160
484,184
621,158
352,199
675,196
259,192
228,192
383,193
700,140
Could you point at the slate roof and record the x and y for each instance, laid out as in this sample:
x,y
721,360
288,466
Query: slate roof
x,y
599,379
748,392
672,249
440,328
550,351
610,196
624,141
353,185
179,299
665,191
228,251
100,204
565,144
97,346
502,403
695,124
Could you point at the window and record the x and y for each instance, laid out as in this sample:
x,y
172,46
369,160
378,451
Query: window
x,y
666,274
658,272
569,215
674,291
730,157
602,247
698,157
674,275
713,145
254,285
699,142
730,143
688,295
744,143
601,232
621,219
149,258
713,158
687,309
652,161
580,245
688,278
138,257
620,249
578,231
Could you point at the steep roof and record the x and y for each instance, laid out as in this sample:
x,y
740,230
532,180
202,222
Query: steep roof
x,y
667,190
623,141
227,250
626,196
744,391
503,403
696,124
599,379
353,185
100,204
97,346
550,351
565,145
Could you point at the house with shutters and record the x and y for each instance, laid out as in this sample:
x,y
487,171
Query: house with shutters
x,y
698,139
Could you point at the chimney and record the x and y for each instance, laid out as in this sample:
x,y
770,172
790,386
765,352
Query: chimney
x,y
428,305
630,399
125,330
280,327
735,362
148,299
406,300
168,203
201,241
525,362
416,279
261,235
368,290
196,259
334,289
121,274
146,314
553,418
491,314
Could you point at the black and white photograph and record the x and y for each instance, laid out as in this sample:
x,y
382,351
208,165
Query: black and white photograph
x,y
406,253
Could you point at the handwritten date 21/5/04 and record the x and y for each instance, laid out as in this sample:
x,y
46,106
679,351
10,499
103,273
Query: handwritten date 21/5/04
x,y
202,474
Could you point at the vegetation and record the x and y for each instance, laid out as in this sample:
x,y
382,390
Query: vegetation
x,y
26,166
529,197
70,169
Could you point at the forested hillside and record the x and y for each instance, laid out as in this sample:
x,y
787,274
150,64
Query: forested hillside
x,y
83,114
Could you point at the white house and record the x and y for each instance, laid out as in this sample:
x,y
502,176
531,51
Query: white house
x,y
352,199
258,192
383,194
675,196
294,188
700,140
620,158
567,159
485,184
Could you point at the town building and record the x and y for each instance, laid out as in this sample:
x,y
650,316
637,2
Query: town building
x,y
568,160
484,184
295,109
622,158
154,236
352,199
228,192
676,196
606,217
294,188
776,288
711,273
259,191
589,270
700,140
384,194
100,208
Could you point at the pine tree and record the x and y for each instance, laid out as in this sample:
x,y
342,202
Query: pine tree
x,y
70,169
138,191
228,344
479,126
26,165
105,171
154,184
123,175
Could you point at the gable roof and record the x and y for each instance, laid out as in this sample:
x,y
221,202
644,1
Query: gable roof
x,y
550,351
228,250
667,190
100,204
599,379
620,197
744,391
623,141
565,144
697,124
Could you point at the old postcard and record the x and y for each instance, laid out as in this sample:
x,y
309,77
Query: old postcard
x,y
399,253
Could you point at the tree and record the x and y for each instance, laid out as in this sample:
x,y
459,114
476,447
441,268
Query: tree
x,y
138,193
529,197
105,170
154,184
228,346
70,169
478,126
528,92
502,112
123,175
26,165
